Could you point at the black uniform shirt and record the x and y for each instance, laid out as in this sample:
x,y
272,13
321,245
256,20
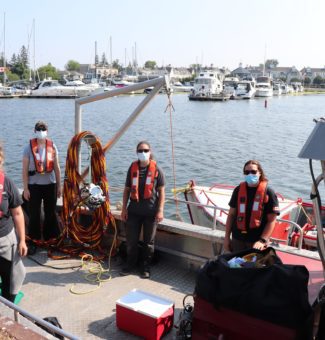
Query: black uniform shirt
x,y
252,235
10,199
145,206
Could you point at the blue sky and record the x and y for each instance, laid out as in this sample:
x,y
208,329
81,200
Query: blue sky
x,y
177,32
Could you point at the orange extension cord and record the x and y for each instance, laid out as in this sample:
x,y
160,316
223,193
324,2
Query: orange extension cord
x,y
84,238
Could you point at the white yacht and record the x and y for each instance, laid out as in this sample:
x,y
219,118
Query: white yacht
x,y
245,89
277,89
52,88
230,85
264,87
179,87
285,88
208,86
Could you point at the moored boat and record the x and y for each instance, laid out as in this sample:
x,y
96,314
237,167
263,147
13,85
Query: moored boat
x,y
264,87
208,87
245,89
295,224
53,89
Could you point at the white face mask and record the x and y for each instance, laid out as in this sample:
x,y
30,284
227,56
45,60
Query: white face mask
x,y
41,134
143,156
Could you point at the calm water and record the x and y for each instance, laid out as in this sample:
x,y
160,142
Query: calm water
x,y
212,140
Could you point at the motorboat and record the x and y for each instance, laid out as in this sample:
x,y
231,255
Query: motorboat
x,y
179,87
53,89
277,90
264,87
191,244
295,226
297,87
285,88
208,86
6,90
245,89
230,85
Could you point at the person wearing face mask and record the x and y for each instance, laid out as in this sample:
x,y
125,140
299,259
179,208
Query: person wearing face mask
x,y
145,192
42,182
253,210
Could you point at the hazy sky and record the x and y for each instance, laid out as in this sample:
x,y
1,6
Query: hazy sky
x,y
177,32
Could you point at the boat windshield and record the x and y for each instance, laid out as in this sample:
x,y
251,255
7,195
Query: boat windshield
x,y
263,79
243,86
50,83
203,81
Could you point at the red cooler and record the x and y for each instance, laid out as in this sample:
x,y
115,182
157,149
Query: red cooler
x,y
144,314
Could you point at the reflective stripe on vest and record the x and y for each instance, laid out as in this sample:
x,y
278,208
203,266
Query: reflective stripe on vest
x,y
49,156
149,183
2,183
257,208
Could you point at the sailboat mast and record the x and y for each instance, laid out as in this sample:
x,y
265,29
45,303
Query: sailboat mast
x,y
110,51
34,66
4,49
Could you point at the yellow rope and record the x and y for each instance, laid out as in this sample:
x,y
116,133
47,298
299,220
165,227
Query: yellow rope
x,y
96,274
96,269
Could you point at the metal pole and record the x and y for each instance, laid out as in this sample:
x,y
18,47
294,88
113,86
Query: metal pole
x,y
77,126
132,117
35,319
319,224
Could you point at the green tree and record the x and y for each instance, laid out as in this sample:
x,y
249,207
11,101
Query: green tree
x,y
48,71
13,59
151,64
24,56
72,65
318,80
103,60
19,63
271,63
11,76
116,64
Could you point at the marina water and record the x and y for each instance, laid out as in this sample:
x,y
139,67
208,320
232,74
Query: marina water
x,y
212,140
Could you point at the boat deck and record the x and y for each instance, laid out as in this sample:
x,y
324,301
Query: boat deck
x,y
92,315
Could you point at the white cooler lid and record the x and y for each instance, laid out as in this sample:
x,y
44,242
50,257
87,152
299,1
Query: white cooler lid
x,y
145,303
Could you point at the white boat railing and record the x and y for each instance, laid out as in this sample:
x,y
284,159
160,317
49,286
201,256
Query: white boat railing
x,y
216,208
51,328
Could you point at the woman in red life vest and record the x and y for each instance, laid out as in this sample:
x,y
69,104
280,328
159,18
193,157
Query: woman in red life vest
x,y
12,236
42,182
253,210
145,192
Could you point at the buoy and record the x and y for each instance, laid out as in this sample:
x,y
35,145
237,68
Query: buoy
x,y
265,103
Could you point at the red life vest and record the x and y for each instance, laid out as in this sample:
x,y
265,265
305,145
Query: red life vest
x,y
2,183
149,183
49,156
257,208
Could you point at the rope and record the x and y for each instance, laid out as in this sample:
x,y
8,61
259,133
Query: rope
x,y
95,275
170,109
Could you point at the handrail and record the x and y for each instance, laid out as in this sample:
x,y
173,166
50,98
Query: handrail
x,y
301,234
35,319
215,208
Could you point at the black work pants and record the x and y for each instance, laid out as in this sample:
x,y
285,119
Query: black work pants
x,y
48,194
134,225
5,274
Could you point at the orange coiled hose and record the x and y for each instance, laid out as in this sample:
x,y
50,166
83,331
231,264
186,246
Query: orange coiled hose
x,y
88,236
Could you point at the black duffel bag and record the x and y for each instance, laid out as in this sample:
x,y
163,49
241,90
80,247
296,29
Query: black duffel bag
x,y
272,291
